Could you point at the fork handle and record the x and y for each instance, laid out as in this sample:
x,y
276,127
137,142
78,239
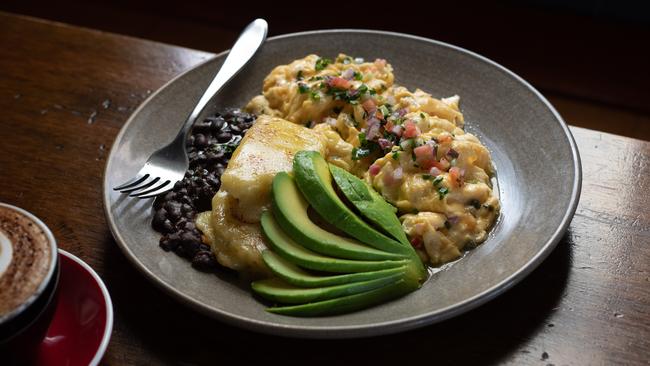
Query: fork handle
x,y
242,51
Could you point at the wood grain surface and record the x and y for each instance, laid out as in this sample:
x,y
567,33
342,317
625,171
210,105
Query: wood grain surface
x,y
64,94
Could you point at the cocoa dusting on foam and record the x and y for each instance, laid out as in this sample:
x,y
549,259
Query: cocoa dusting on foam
x,y
30,260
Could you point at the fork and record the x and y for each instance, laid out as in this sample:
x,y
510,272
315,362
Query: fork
x,y
167,165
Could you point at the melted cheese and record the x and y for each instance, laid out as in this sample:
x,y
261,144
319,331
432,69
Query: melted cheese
x,y
232,228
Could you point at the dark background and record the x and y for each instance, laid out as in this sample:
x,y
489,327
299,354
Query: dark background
x,y
590,58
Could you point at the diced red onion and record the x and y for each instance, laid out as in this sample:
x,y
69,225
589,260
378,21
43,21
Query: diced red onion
x,y
397,130
330,121
435,171
453,219
374,169
348,74
373,130
452,153
384,144
401,112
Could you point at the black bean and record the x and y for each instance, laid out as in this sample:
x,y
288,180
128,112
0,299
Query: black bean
x,y
168,227
200,141
159,218
204,260
224,137
174,213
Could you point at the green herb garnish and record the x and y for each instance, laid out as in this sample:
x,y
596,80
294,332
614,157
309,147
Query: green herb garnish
x,y
303,88
322,63
442,192
384,111
438,180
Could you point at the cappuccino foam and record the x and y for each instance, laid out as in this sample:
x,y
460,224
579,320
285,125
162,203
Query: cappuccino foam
x,y
25,259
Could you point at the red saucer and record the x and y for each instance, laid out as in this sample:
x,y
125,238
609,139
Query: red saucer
x,y
83,319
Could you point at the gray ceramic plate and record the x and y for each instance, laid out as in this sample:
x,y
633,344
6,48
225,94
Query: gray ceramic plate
x,y
536,159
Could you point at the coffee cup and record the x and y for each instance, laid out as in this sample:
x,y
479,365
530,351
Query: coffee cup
x,y
29,275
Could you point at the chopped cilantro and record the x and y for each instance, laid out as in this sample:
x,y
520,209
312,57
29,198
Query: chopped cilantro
x,y
303,88
438,180
384,110
422,116
362,138
315,95
322,63
427,176
357,75
299,75
442,192
373,92
395,155
358,153
362,88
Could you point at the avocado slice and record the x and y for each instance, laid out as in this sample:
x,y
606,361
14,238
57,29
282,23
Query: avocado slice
x,y
303,257
277,290
290,211
346,304
369,203
297,276
315,182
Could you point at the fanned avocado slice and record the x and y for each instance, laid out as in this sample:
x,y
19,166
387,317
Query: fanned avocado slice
x,y
315,182
303,257
371,205
365,273
302,278
277,290
346,304
290,211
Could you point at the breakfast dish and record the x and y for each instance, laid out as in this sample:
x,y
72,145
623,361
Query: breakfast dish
x,y
406,150
507,115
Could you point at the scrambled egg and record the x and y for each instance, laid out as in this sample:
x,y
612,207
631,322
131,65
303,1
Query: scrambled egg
x,y
410,146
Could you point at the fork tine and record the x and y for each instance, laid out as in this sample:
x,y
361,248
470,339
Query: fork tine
x,y
164,189
131,182
146,184
152,188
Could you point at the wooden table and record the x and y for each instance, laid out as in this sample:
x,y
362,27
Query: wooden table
x,y
64,94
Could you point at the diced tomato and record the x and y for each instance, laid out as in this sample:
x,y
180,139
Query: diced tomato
x,y
416,242
455,176
340,83
369,105
424,156
411,130
443,164
374,169
444,137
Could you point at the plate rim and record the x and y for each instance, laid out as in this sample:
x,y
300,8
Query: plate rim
x,y
374,329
